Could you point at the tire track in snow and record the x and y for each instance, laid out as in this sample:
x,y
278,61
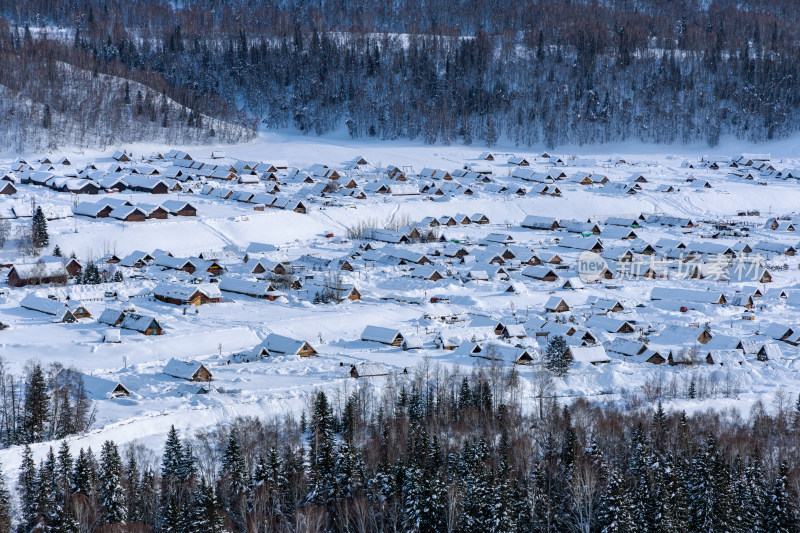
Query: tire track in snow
x,y
218,232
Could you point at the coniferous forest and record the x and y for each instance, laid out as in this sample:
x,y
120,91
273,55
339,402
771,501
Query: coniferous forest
x,y
442,71
440,453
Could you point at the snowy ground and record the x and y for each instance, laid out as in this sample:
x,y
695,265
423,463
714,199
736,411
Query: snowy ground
x,y
280,385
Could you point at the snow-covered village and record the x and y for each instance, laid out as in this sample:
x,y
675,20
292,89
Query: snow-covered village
x,y
185,289
462,266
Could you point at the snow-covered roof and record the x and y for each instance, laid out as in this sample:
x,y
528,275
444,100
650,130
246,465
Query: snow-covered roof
x,y
40,269
43,305
589,354
184,292
380,334
275,343
182,369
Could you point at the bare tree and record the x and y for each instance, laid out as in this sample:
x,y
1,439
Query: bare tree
x,y
542,381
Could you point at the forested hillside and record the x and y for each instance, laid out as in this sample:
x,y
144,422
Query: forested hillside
x,y
439,71
433,461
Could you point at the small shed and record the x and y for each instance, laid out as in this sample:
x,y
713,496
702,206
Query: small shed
x,y
112,335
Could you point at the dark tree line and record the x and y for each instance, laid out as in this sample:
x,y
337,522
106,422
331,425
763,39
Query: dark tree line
x,y
441,71
46,403
436,455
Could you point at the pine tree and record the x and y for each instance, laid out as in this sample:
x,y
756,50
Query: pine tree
x,y
39,235
5,506
269,484
133,490
64,466
796,418
148,501
118,277
321,458
28,491
464,395
755,492
171,461
781,515
84,474
36,407
348,472
615,514
66,418
644,514
491,135
350,418
709,489
234,480
557,358
233,465
187,467
423,501
675,511
505,502
476,488
47,117
111,491
206,516
47,501
57,251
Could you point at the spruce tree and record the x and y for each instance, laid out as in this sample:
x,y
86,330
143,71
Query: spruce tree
x,y
47,501
133,490
57,251
5,506
557,358
83,474
615,513
234,480
28,491
781,515
148,503
675,510
796,416
206,516
321,458
64,465
756,492
171,461
110,490
39,235
476,489
37,406
233,465
464,395
424,501
66,419
187,467
348,472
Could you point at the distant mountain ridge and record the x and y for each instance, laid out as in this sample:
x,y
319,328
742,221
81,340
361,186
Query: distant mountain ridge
x,y
458,71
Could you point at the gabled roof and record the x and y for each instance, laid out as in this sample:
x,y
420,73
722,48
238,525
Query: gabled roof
x,y
381,334
183,292
40,269
183,369
43,305
589,354
275,343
